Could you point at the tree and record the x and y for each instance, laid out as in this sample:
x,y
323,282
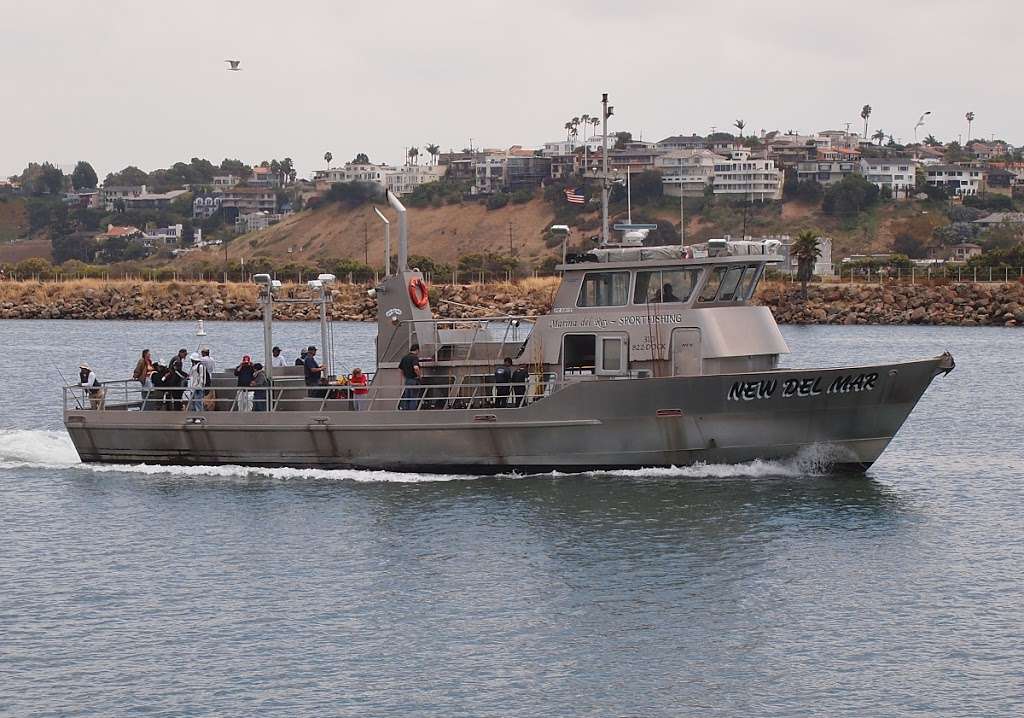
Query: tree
x,y
646,186
970,119
865,113
327,158
739,125
568,131
930,141
361,158
130,176
585,120
412,155
621,138
39,179
433,151
849,196
595,121
879,136
84,176
236,167
806,248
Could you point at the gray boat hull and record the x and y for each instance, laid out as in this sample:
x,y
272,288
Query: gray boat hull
x,y
847,416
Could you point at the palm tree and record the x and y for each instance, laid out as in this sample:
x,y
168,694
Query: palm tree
x,y
931,141
806,248
585,119
970,119
568,131
880,136
739,125
327,158
595,121
865,113
413,154
433,151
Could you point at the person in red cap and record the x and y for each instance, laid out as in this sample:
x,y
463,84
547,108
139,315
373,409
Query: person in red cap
x,y
245,371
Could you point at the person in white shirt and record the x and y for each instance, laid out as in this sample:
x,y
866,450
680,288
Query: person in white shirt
x,y
92,386
196,383
207,360
277,359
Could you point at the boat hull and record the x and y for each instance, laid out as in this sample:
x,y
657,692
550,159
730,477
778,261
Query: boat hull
x,y
845,417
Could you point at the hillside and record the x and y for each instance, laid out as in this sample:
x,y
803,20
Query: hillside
x,y
13,219
446,233
443,233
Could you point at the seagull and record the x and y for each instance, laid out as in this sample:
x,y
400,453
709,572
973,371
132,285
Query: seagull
x,y
234,65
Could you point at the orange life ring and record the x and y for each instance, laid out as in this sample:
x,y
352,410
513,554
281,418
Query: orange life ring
x,y
418,292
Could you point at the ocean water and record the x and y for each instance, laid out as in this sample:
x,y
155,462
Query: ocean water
x,y
771,589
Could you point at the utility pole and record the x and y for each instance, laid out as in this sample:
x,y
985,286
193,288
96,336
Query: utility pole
x,y
604,168
682,210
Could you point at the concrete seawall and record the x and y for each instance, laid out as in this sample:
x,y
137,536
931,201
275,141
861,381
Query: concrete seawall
x,y
953,304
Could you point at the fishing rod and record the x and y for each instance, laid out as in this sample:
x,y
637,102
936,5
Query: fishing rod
x,y
67,385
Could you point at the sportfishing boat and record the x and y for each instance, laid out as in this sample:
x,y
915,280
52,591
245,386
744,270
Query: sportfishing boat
x,y
649,357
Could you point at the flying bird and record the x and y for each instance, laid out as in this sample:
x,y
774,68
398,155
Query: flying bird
x,y
234,65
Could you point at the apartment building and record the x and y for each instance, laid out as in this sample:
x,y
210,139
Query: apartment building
x,y
524,170
246,200
405,179
206,205
687,171
682,142
955,179
489,168
352,172
829,166
113,194
899,174
740,176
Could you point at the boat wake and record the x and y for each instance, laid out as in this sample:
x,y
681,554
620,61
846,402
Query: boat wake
x,y
53,450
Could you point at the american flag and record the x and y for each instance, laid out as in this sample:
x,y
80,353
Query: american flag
x,y
574,196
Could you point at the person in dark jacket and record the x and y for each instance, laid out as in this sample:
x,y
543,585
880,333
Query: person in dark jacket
x,y
502,388
176,381
245,371
260,380
519,378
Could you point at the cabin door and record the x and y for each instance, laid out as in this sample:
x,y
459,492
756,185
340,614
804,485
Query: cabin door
x,y
686,352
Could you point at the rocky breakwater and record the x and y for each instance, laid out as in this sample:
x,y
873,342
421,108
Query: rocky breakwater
x,y
966,305
90,299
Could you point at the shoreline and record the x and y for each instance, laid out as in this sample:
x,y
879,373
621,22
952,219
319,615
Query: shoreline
x,y
965,304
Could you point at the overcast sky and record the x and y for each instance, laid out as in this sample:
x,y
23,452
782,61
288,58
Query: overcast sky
x,y
144,83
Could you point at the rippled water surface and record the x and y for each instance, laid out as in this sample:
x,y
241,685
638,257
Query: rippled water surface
x,y
761,590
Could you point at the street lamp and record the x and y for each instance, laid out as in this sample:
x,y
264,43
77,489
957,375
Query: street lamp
x,y
920,123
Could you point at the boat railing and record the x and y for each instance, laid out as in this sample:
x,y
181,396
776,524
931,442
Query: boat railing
x,y
434,393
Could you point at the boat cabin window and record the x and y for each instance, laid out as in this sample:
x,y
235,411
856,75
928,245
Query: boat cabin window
x,y
604,289
748,282
731,284
579,353
714,282
669,285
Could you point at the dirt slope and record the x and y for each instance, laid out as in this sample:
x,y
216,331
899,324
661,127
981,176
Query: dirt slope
x,y
443,234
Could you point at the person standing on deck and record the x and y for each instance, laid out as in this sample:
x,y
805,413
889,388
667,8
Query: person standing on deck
x,y
359,391
208,362
277,360
519,378
259,380
313,371
144,375
411,375
245,371
92,386
177,379
197,381
502,379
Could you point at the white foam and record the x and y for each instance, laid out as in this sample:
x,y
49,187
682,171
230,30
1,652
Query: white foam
x,y
45,449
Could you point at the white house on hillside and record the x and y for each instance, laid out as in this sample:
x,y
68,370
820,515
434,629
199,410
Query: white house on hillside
x,y
744,177
898,174
687,171
955,179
